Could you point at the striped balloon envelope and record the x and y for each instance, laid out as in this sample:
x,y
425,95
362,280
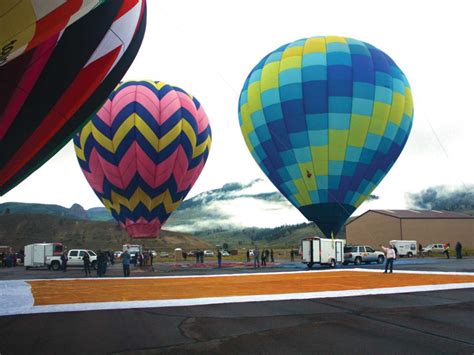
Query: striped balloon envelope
x,y
326,118
47,93
143,151
24,24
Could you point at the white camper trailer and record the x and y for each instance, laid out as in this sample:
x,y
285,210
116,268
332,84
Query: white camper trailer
x,y
405,247
322,251
36,254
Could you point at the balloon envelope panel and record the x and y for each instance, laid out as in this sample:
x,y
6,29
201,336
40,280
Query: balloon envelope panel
x,y
143,151
24,24
325,118
50,91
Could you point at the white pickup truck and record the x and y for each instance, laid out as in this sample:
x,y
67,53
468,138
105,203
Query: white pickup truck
x,y
74,258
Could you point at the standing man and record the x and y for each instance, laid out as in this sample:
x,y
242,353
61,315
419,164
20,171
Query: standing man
x,y
390,257
64,261
446,250
248,255
458,248
256,258
219,259
271,256
87,264
126,263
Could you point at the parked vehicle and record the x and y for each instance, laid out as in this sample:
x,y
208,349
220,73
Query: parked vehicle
x,y
208,253
74,258
37,253
225,253
405,247
322,251
164,254
117,254
358,254
433,248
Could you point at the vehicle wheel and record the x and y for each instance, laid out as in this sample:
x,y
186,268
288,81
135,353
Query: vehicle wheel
x,y
55,265
380,259
94,265
409,254
310,265
357,261
332,263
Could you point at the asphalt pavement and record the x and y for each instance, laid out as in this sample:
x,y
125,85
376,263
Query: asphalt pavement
x,y
437,322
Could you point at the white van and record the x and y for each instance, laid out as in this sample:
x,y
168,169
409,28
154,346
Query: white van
x,y
405,247
322,251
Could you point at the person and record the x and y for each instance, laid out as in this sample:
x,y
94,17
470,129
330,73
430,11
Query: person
x,y
292,255
446,250
197,256
100,261
105,260
256,258
264,258
140,259
458,249
391,256
151,259
271,256
396,250
248,255
420,250
64,261
201,256
219,259
87,264
126,263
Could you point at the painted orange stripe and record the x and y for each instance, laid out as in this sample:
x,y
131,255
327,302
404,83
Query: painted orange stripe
x,y
145,289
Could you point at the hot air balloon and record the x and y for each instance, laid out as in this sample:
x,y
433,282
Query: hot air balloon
x,y
24,24
142,152
326,118
47,93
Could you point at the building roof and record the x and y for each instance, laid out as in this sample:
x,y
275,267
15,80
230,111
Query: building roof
x,y
418,214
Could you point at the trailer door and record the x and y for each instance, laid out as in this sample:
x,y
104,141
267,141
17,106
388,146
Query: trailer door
x,y
339,252
38,255
317,250
306,250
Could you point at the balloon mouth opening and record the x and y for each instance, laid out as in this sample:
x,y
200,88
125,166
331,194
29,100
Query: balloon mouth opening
x,y
143,230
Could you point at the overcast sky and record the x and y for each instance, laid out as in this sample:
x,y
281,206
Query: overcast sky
x,y
208,48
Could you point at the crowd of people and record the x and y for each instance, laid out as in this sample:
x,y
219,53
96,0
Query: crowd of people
x,y
10,258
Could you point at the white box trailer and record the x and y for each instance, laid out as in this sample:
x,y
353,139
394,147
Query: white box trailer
x,y
36,254
322,251
405,247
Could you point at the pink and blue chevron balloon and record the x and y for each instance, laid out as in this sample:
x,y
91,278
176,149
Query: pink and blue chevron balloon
x,y
143,151
325,118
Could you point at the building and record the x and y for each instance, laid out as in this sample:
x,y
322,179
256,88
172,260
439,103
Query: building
x,y
376,227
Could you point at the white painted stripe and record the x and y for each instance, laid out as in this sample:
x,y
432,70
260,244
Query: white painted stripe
x,y
15,296
25,309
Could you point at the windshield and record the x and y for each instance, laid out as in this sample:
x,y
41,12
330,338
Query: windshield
x,y
91,253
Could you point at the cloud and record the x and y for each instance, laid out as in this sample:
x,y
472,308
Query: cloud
x,y
443,198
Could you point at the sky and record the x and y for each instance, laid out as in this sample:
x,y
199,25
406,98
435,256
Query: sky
x,y
208,48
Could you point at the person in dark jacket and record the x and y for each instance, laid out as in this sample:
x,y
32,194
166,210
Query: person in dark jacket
x,y
219,259
458,249
64,261
87,264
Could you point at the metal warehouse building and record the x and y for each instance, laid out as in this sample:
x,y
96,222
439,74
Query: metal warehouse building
x,y
376,227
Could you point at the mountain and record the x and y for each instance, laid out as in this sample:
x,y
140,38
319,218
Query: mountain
x,y
18,230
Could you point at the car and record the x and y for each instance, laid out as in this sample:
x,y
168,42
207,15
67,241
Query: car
x,y
362,253
191,253
433,248
117,254
208,253
225,253
164,254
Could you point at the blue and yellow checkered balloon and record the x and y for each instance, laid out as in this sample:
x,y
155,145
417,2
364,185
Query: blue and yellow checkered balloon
x,y
326,118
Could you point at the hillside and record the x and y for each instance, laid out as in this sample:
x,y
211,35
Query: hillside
x,y
18,230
